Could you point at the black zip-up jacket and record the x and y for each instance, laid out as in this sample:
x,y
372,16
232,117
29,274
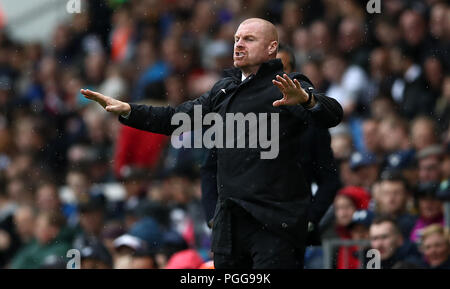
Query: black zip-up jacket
x,y
274,191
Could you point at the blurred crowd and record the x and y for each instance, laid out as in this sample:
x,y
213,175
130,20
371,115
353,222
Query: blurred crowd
x,y
389,71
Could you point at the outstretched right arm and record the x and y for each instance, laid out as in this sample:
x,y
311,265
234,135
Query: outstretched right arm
x,y
149,118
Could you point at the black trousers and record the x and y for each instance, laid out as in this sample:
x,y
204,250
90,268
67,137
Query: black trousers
x,y
254,247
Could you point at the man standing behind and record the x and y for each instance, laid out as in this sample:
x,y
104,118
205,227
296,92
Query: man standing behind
x,y
260,220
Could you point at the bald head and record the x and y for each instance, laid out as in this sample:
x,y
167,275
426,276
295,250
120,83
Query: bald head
x,y
267,28
255,42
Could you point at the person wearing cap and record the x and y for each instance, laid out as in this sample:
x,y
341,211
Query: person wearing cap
x,y
269,197
186,259
144,259
125,247
430,209
429,160
348,257
348,200
360,224
132,252
366,168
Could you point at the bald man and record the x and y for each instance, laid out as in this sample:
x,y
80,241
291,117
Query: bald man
x,y
260,218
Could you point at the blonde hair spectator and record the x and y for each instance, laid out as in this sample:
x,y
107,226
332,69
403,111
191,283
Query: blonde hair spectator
x,y
435,246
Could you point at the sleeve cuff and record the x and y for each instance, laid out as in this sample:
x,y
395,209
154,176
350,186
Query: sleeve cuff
x,y
315,108
127,116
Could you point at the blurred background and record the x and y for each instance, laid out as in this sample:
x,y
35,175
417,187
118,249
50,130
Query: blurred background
x,y
71,176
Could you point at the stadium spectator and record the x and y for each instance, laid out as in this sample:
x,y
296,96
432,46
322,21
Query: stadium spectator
x,y
366,168
347,201
424,132
429,160
392,200
95,256
49,241
430,209
359,231
386,237
435,246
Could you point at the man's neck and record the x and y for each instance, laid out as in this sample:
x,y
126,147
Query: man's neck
x,y
246,71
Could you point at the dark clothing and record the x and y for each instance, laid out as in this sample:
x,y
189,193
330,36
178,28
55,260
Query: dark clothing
x,y
406,223
417,99
208,175
320,168
407,253
444,265
274,191
254,247
7,226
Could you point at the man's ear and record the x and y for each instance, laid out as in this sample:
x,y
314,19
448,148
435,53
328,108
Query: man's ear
x,y
273,47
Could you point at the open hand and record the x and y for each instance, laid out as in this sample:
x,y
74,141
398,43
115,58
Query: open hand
x,y
109,104
292,91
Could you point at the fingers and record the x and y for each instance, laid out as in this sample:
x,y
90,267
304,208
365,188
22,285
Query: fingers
x,y
279,102
297,84
283,81
93,95
279,85
289,81
112,108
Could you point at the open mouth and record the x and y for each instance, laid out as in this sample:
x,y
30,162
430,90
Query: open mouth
x,y
239,54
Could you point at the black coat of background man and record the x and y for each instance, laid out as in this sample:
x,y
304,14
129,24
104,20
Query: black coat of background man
x,y
260,220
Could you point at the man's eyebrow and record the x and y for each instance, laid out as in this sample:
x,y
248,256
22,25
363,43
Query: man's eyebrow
x,y
245,36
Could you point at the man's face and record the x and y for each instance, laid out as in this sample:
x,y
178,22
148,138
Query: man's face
x,y
43,231
359,232
92,221
422,135
251,46
436,249
286,60
47,198
390,138
367,175
385,239
371,137
430,169
143,262
344,210
430,208
392,197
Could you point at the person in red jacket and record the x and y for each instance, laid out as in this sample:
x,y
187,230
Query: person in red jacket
x,y
348,200
137,148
